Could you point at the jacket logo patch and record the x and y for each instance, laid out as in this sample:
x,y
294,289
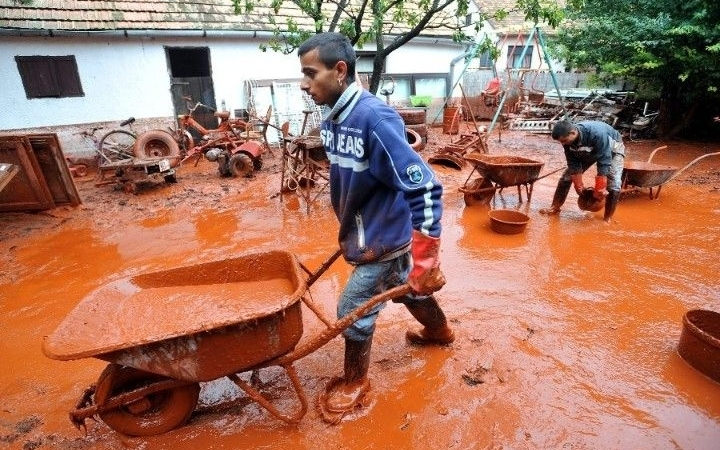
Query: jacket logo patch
x,y
415,173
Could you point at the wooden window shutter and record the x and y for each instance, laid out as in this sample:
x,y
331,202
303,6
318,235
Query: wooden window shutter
x,y
49,76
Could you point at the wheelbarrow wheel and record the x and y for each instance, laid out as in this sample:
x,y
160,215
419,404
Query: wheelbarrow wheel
x,y
153,414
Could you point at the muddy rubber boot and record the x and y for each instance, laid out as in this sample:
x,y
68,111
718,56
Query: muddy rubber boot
x,y
561,193
343,394
611,202
431,316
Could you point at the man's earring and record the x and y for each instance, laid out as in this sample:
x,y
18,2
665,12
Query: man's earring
x,y
339,82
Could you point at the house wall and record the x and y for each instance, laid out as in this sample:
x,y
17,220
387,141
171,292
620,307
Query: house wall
x,y
124,77
128,76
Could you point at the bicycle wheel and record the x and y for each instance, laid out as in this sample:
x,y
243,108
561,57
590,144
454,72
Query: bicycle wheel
x,y
116,145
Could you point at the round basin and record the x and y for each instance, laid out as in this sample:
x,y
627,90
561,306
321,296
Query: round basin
x,y
508,221
700,341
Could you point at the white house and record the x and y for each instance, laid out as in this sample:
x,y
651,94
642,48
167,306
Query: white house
x,y
81,62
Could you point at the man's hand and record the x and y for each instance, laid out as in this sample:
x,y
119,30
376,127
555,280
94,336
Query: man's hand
x,y
425,276
577,182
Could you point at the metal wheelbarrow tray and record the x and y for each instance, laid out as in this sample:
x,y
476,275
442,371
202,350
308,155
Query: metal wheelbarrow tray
x,y
190,323
638,175
164,332
506,170
498,172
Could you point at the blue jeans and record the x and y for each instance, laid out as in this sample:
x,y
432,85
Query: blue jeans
x,y
366,281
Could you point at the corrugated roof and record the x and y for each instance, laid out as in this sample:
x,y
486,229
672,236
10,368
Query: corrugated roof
x,y
209,15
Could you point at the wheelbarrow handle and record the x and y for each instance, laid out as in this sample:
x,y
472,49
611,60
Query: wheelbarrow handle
x,y
321,270
550,173
338,326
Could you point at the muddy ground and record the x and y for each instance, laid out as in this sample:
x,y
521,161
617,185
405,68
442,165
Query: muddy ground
x,y
566,334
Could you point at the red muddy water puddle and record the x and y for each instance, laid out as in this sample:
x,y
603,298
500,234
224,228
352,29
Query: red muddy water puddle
x,y
566,333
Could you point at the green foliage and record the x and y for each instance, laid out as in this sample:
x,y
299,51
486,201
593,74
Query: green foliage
x,y
388,24
666,46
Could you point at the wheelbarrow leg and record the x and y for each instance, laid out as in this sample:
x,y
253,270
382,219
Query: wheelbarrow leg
x,y
262,401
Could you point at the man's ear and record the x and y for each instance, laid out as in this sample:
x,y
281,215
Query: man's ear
x,y
342,70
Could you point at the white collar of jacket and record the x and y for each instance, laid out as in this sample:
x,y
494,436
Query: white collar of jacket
x,y
345,103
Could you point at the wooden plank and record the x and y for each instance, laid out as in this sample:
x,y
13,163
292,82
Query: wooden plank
x,y
49,154
28,190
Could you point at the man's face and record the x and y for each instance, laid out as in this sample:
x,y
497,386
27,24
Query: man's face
x,y
318,81
569,139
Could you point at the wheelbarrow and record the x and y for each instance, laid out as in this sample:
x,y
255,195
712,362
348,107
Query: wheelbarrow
x,y
165,332
497,172
638,175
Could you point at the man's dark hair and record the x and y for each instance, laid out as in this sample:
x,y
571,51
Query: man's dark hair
x,y
562,129
332,47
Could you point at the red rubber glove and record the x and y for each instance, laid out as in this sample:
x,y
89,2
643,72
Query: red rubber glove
x,y
577,181
425,276
600,191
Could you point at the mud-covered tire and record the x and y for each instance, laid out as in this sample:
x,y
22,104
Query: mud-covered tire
x,y
241,165
156,144
420,129
155,413
413,116
414,140
472,197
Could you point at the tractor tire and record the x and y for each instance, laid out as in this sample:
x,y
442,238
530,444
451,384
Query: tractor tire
x,y
241,165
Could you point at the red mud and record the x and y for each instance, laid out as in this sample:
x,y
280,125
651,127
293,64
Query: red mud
x,y
566,333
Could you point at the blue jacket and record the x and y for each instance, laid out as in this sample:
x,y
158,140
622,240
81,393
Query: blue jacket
x,y
596,144
380,188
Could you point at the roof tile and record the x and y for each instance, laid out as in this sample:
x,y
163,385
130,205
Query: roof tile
x,y
148,15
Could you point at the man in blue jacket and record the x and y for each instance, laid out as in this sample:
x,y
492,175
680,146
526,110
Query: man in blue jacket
x,y
388,203
587,143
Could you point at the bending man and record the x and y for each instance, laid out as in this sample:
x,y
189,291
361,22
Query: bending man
x,y
587,143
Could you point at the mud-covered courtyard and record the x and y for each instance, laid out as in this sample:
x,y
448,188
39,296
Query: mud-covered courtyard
x,y
567,333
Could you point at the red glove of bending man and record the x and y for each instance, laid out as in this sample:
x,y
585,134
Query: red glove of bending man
x,y
600,190
425,276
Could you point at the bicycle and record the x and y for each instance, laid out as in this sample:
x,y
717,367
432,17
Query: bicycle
x,y
117,144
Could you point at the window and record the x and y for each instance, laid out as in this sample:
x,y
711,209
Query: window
x,y
485,60
514,53
364,62
49,76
